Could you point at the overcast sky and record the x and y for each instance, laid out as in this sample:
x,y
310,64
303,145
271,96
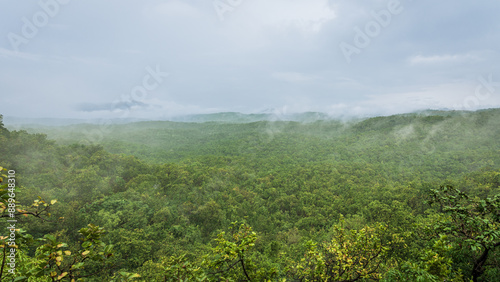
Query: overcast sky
x,y
161,58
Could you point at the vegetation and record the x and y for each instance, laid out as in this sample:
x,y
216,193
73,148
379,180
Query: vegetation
x,y
402,198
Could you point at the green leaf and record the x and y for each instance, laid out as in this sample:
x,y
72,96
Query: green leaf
x,y
86,244
77,266
50,237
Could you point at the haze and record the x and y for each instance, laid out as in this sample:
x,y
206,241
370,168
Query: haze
x,y
159,59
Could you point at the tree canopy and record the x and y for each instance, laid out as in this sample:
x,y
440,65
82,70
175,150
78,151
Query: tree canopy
x,y
401,198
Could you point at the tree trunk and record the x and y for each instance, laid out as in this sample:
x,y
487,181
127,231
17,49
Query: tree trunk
x,y
478,269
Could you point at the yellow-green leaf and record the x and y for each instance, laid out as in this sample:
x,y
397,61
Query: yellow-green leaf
x,y
62,275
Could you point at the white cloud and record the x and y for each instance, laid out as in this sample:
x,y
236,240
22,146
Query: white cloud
x,y
46,59
456,96
264,54
441,59
308,16
173,8
165,109
440,96
451,96
60,27
294,77
9,54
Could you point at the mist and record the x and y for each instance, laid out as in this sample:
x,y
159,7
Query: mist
x,y
161,60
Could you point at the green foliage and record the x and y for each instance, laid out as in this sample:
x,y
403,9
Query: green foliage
x,y
351,255
173,268
164,190
434,264
232,258
473,222
54,260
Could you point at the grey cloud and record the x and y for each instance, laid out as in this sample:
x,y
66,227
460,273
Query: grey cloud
x,y
88,107
265,54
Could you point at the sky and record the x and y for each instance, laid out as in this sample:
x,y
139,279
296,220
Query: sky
x,y
157,59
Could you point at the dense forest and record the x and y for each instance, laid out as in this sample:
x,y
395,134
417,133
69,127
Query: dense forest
x,y
412,197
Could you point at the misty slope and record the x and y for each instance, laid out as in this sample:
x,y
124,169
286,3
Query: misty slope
x,y
409,142
291,182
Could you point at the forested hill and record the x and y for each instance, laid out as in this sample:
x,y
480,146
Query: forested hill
x,y
322,200
434,142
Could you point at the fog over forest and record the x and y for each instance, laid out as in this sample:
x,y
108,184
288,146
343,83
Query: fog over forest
x,y
263,140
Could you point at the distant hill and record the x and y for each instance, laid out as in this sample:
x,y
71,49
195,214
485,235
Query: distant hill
x,y
17,123
234,133
234,117
20,122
